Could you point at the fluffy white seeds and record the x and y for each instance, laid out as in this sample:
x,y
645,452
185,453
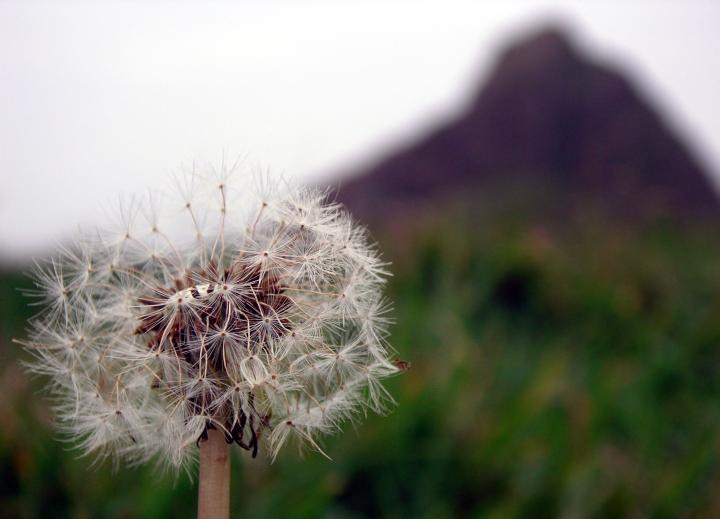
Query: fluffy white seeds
x,y
247,307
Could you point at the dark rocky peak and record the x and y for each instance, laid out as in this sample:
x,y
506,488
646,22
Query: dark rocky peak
x,y
545,51
550,118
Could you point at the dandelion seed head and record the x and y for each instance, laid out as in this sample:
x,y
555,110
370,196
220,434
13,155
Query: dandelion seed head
x,y
237,303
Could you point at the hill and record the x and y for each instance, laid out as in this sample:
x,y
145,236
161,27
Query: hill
x,y
550,124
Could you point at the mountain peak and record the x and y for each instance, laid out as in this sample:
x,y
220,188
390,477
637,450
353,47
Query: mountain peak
x,y
550,46
547,118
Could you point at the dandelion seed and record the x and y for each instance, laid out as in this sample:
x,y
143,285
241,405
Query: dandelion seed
x,y
245,307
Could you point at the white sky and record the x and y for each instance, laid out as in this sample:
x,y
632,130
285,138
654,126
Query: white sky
x,y
102,98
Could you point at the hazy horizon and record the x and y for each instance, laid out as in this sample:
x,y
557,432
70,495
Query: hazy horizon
x,y
105,99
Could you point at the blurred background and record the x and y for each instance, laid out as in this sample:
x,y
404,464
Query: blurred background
x,y
542,175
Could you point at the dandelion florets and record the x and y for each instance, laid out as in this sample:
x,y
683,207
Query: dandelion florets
x,y
252,308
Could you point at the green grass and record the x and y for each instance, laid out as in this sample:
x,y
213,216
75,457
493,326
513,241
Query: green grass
x,y
568,374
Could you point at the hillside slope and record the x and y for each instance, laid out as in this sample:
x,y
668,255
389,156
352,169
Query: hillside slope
x,y
548,119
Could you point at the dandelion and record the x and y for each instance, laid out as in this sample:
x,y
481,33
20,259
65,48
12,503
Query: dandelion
x,y
230,311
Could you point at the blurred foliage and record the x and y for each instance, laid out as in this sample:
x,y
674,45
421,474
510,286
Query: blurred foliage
x,y
554,374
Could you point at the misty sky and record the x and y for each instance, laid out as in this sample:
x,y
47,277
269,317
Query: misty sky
x,y
108,98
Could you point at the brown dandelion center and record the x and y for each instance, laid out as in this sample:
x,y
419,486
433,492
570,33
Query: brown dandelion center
x,y
211,319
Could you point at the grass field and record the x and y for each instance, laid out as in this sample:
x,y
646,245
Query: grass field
x,y
569,374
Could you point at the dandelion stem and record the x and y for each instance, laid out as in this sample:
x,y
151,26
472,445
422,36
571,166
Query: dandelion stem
x,y
214,487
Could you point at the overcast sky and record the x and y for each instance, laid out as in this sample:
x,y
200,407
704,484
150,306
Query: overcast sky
x,y
101,98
